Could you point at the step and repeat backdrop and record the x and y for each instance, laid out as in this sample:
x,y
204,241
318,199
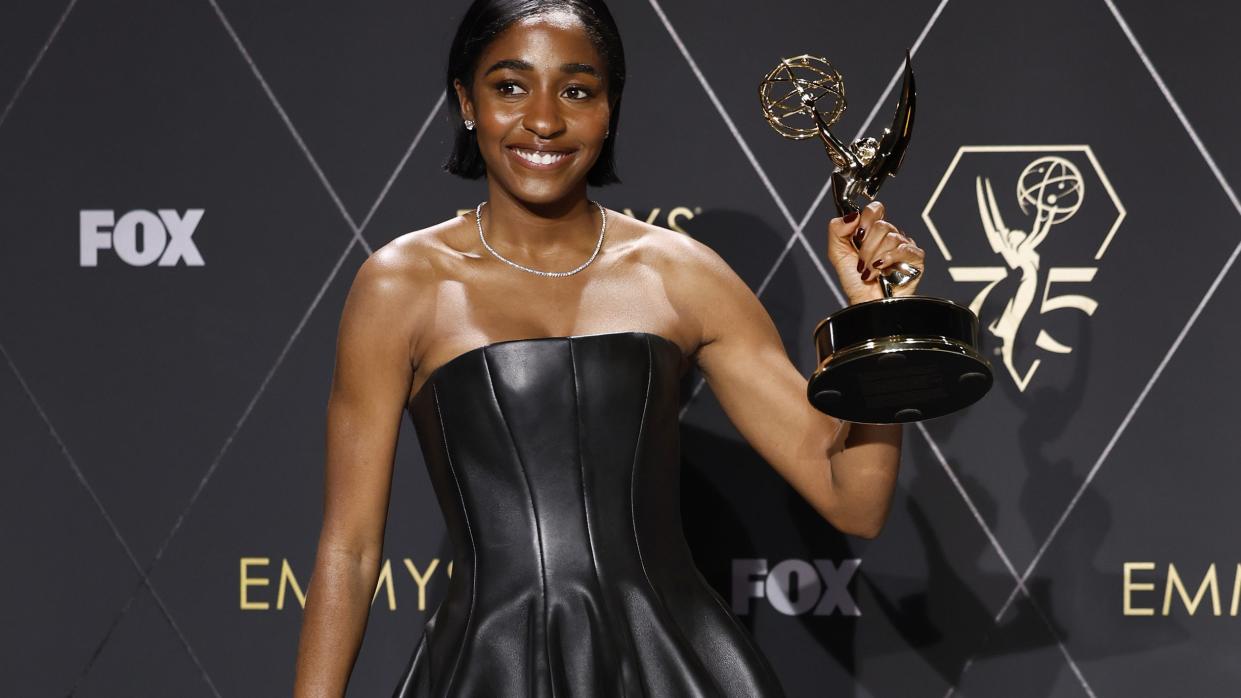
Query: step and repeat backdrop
x,y
188,188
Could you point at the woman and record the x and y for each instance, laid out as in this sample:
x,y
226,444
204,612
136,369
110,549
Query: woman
x,y
537,344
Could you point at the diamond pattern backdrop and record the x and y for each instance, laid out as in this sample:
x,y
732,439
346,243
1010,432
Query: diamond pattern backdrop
x,y
163,425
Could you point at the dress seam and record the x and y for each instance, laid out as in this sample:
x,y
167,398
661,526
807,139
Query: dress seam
x,y
633,472
581,466
469,615
633,466
538,527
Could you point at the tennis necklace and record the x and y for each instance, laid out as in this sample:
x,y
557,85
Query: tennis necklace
x,y
603,213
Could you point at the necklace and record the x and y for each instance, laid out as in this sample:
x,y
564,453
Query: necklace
x,y
603,213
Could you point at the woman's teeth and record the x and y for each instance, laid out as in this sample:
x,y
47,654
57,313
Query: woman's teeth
x,y
539,158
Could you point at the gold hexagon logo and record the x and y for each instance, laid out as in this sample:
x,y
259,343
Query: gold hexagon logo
x,y
1025,220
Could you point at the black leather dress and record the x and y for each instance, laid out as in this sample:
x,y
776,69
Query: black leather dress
x,y
556,462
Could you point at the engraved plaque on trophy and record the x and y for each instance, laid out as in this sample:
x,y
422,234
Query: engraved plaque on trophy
x,y
898,358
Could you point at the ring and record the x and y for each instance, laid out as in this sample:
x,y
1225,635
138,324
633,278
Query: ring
x,y
902,273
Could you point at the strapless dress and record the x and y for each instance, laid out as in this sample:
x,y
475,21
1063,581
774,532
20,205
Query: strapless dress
x,y
556,463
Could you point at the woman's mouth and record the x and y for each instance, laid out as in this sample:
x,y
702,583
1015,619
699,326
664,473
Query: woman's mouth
x,y
540,159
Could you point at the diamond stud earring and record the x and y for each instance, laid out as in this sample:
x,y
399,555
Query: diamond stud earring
x,y
469,125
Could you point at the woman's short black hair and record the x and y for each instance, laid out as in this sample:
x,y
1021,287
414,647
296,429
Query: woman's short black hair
x,y
486,19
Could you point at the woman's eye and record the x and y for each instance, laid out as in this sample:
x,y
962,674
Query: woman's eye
x,y
510,88
576,92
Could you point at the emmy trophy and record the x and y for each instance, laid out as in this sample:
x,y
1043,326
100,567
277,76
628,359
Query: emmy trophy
x,y
895,359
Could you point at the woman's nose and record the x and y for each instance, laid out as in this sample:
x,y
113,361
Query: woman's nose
x,y
543,117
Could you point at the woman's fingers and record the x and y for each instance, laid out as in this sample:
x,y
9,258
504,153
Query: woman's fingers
x,y
878,239
842,228
904,252
874,211
863,246
845,234
867,218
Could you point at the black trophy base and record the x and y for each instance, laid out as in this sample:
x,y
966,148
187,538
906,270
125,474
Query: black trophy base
x,y
898,360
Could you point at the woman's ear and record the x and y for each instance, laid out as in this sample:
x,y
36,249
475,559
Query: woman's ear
x,y
464,105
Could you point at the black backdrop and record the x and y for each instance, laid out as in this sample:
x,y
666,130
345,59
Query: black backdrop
x,y
187,188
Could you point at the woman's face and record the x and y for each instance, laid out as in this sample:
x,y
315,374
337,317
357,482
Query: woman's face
x,y
540,106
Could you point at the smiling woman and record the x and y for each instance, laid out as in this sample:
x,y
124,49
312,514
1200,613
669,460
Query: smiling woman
x,y
537,345
541,95
484,22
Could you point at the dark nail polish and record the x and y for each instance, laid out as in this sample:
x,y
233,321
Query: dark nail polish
x,y
860,266
859,236
878,263
850,216
865,275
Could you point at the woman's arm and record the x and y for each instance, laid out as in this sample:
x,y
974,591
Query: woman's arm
x,y
846,471
370,384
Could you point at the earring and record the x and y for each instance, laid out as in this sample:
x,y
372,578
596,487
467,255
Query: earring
x,y
469,125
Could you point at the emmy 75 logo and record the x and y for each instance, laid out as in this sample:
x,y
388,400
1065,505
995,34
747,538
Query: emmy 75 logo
x,y
1025,223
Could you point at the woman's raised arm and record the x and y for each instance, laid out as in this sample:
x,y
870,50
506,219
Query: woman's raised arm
x,y
847,472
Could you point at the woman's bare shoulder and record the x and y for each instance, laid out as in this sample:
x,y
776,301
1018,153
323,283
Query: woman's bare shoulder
x,y
676,256
694,277
419,254
395,278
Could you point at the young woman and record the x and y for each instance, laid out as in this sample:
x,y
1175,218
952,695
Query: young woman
x,y
537,344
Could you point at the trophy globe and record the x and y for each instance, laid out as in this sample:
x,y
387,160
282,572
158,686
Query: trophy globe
x,y
1053,186
899,358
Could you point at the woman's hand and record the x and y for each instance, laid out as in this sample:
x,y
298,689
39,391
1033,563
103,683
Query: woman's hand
x,y
882,246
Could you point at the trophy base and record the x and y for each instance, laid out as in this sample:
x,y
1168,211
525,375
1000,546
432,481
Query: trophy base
x,y
896,360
